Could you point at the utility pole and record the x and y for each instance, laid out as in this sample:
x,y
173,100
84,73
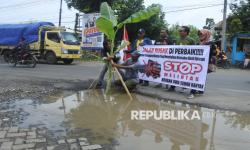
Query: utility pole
x,y
76,22
224,26
60,14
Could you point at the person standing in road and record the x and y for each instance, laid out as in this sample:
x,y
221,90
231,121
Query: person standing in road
x,y
164,39
204,37
183,39
247,59
104,53
141,40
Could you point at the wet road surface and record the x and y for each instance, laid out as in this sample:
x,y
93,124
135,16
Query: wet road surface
x,y
106,121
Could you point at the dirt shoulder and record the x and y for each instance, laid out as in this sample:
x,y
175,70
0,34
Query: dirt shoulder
x,y
22,82
38,87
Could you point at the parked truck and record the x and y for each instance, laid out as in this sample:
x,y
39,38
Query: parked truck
x,y
45,40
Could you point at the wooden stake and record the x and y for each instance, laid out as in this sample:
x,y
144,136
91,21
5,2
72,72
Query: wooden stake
x,y
121,79
123,83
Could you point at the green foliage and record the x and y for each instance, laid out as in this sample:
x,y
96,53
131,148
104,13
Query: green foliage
x,y
106,26
107,12
209,23
235,26
123,45
123,9
87,6
152,26
107,23
174,32
140,16
194,33
239,19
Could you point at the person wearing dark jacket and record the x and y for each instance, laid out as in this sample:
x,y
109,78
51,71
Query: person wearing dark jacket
x,y
141,41
104,54
132,67
21,47
164,38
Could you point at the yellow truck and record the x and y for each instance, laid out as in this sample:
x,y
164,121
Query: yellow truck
x,y
47,42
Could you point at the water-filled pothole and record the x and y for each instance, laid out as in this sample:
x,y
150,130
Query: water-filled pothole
x,y
107,121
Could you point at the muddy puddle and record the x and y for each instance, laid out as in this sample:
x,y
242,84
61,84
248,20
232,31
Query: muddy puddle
x,y
106,120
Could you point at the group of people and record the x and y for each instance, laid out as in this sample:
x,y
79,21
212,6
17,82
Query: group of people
x,y
132,66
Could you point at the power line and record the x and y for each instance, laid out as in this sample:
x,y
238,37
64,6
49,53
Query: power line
x,y
22,4
30,21
20,8
54,11
44,19
41,19
194,8
193,5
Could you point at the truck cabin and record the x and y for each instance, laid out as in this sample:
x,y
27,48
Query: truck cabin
x,y
57,35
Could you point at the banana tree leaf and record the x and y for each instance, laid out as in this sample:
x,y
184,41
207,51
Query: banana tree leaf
x,y
107,12
140,16
105,26
123,45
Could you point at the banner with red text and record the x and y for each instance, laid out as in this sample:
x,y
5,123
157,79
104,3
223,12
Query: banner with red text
x,y
182,66
92,38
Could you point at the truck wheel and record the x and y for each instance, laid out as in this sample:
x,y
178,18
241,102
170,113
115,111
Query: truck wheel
x,y
51,58
68,61
6,56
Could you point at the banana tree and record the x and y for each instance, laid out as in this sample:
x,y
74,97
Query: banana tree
x,y
108,24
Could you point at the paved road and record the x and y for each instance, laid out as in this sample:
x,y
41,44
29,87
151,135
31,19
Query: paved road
x,y
76,71
227,89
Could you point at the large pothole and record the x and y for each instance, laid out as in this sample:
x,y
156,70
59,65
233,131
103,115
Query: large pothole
x,y
106,121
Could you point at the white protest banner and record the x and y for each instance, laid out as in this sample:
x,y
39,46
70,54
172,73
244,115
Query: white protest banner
x,y
182,66
92,38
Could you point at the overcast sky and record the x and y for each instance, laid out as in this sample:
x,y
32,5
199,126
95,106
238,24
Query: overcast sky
x,y
177,11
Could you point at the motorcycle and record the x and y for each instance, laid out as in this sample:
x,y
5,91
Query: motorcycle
x,y
225,64
23,58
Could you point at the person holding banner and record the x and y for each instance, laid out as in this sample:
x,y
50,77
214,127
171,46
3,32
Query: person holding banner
x,y
141,41
163,40
184,39
131,67
204,37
